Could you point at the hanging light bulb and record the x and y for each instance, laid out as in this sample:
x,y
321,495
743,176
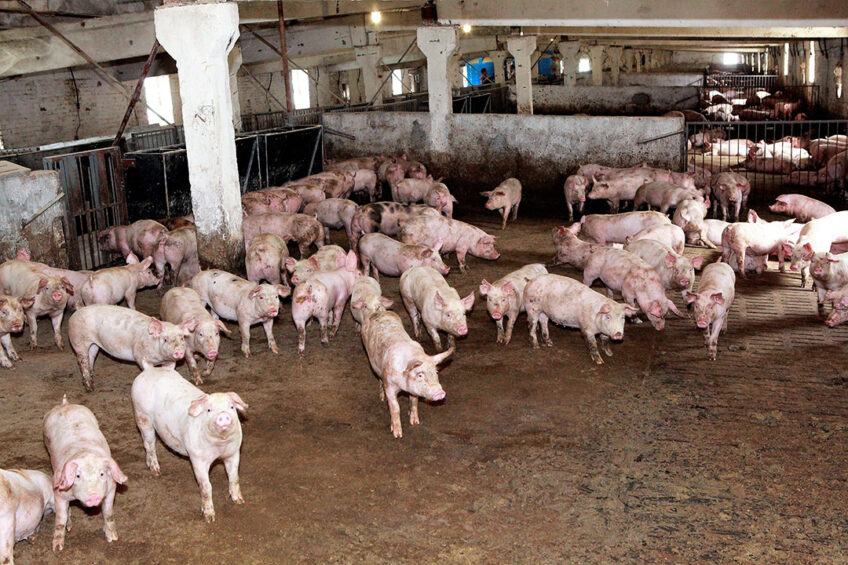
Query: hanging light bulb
x,y
376,17
466,28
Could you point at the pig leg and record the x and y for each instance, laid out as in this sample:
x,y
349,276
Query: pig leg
x,y
736,210
130,297
268,326
414,315
570,210
244,330
208,370
820,292
712,343
543,321
338,311
326,235
394,412
605,345
781,256
231,464
515,210
148,437
580,208
413,410
192,366
85,358
108,522
5,361
434,335
504,216
56,320
33,329
740,259
592,344
499,323
460,258
532,321
201,475
61,522
301,337
322,323
7,538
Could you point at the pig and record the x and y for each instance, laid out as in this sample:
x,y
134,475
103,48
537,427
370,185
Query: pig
x,y
460,237
308,192
676,271
124,334
49,296
802,208
183,306
440,199
383,217
638,282
414,169
505,197
382,254
664,195
575,194
830,273
110,286
271,200
775,165
730,190
689,216
731,147
139,238
365,180
366,299
27,497
568,303
203,427
839,299
427,297
703,137
178,250
83,467
335,213
755,238
266,258
77,278
592,171
712,302
11,321
504,297
327,258
667,234
245,302
336,184
177,222
409,190
817,236
616,228
302,228
620,185
401,365
570,250
323,295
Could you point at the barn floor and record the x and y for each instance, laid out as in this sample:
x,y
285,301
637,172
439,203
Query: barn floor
x,y
658,456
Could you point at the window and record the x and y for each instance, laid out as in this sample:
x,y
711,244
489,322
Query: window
x,y
785,59
157,94
811,66
730,59
300,89
584,65
766,62
397,82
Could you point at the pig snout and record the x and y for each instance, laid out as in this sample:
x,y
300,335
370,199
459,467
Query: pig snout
x,y
178,354
702,322
92,500
438,395
17,326
793,267
684,282
212,354
497,315
618,336
462,330
56,296
223,420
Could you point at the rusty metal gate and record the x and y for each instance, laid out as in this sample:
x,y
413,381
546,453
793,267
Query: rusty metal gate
x,y
94,200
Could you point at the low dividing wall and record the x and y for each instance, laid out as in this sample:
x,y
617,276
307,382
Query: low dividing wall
x,y
661,79
484,149
612,100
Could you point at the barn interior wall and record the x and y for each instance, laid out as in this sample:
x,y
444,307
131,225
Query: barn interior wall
x,y
610,100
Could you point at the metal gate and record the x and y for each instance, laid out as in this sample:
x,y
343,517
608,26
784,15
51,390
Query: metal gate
x,y
94,200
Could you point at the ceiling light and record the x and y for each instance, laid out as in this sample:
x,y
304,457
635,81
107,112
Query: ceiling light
x,y
466,28
376,16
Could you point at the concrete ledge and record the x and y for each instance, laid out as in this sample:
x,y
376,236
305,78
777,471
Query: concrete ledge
x,y
612,100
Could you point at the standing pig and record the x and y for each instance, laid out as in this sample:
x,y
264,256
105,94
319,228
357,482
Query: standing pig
x,y
139,238
335,213
667,234
440,198
504,297
328,258
839,314
76,278
365,180
712,302
571,250
730,190
817,236
383,217
266,258
323,295
428,298
689,216
49,294
11,321
182,306
755,238
202,427
567,302
830,273
177,249
234,298
383,254
26,497
366,299
401,365
616,228
110,286
676,271
308,192
83,468
575,194
506,197
428,228
664,195
124,334
802,208
302,228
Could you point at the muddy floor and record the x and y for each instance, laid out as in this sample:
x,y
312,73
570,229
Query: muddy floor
x,y
658,456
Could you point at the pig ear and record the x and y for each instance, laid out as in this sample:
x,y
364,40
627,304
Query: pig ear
x,y
197,405
64,479
222,327
26,301
132,259
386,302
437,359
717,298
427,253
69,288
154,328
485,287
42,282
290,263
255,292
147,262
358,304
3,302
188,326
412,365
487,194
698,262
508,287
468,302
117,475
23,254
753,218
691,297
438,246
808,248
655,309
351,261
605,308
440,302
240,404
630,310
282,290
670,260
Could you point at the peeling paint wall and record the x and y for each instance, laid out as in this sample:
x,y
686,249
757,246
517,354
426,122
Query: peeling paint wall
x,y
612,100
662,79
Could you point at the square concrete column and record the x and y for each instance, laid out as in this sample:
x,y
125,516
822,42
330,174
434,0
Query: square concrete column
x,y
522,47
639,55
199,37
614,54
534,70
629,60
368,58
313,89
438,43
498,59
234,62
457,77
569,51
596,54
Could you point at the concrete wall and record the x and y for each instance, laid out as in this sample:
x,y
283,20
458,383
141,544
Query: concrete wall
x,y
22,194
484,149
837,106
662,79
695,61
610,100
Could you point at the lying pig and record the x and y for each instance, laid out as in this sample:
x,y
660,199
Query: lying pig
x,y
323,295
327,258
382,254
676,271
616,228
202,427
504,297
428,298
712,302
506,197
802,208
830,273
566,302
817,236
334,213
366,299
575,194
49,294
664,195
27,497
124,334
401,365
234,298
302,228
667,234
110,286
266,258
178,250
428,228
83,467
755,238
689,216
731,147
182,307
11,321
730,190
139,238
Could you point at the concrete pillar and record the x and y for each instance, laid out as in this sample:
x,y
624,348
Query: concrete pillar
x,y
522,47
534,70
614,54
199,37
368,59
596,54
456,70
323,88
353,82
629,60
313,89
234,62
569,51
639,53
498,59
438,43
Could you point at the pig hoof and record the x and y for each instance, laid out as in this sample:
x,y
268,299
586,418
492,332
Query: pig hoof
x,y
599,361
58,545
246,354
33,346
111,536
549,343
238,499
536,346
275,350
209,517
397,433
6,364
198,380
14,356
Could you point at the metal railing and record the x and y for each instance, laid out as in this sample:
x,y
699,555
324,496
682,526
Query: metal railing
x,y
808,93
731,80
164,136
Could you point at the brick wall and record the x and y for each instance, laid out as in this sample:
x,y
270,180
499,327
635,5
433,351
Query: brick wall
x,y
254,99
